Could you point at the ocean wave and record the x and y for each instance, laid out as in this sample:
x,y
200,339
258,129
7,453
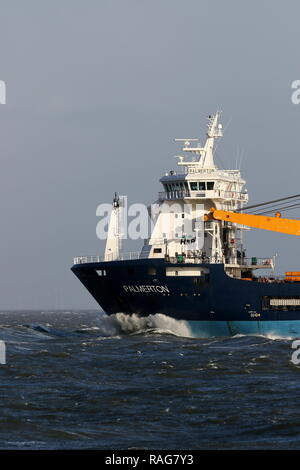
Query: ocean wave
x,y
121,323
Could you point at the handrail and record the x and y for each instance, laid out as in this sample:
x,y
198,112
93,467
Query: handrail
x,y
205,193
176,194
134,255
100,259
87,259
254,261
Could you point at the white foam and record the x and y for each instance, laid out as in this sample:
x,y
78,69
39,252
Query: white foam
x,y
274,336
121,323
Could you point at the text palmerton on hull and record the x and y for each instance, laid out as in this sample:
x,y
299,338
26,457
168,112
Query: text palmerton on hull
x,y
200,275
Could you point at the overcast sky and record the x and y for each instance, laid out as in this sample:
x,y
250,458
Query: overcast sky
x,y
96,92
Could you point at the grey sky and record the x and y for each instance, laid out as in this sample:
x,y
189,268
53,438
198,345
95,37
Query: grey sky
x,y
97,90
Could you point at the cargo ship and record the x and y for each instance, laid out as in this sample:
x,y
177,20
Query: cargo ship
x,y
193,267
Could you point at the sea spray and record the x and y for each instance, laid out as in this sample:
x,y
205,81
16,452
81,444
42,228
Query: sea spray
x,y
121,323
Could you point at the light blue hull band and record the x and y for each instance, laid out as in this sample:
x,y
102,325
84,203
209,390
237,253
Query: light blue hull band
x,y
281,329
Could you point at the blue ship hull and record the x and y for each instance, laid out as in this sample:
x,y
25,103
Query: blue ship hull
x,y
212,305
273,329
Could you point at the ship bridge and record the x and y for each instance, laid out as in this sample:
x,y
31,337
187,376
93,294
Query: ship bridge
x,y
216,184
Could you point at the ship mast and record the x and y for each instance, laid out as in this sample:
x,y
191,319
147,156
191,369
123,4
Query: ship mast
x,y
205,154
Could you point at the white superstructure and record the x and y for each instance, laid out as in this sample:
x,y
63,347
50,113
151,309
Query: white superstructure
x,y
188,194
179,233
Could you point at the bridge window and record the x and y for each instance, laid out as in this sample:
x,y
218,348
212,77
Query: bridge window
x,y
210,185
194,185
202,185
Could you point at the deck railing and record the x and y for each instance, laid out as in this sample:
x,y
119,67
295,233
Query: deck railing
x,y
188,258
202,194
251,262
99,259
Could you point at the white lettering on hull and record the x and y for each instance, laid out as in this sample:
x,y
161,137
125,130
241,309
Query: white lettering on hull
x,y
147,289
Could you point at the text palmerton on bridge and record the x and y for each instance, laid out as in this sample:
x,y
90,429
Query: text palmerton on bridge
x,y
211,285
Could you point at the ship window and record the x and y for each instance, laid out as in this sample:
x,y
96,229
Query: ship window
x,y
202,185
194,186
210,185
101,272
152,270
157,250
281,303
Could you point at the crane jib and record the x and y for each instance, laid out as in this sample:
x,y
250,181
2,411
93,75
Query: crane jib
x,y
275,224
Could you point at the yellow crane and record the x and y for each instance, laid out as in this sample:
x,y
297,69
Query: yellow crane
x,y
275,224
